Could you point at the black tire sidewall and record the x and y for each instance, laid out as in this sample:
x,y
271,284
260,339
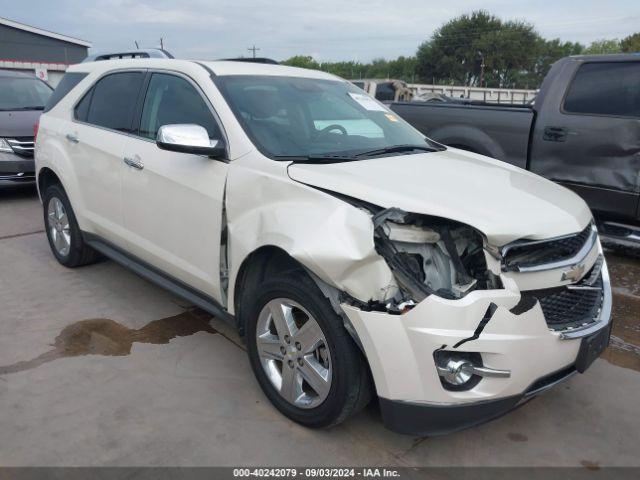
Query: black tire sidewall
x,y
345,360
74,231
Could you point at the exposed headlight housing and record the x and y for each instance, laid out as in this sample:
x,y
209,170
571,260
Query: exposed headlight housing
x,y
430,255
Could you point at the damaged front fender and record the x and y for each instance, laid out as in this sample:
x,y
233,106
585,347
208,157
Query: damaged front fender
x,y
328,236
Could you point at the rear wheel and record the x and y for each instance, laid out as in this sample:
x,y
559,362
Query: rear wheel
x,y
303,358
63,233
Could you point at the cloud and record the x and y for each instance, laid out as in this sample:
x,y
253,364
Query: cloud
x,y
326,29
131,12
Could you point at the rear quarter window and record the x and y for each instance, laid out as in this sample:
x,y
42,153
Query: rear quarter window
x,y
68,83
608,88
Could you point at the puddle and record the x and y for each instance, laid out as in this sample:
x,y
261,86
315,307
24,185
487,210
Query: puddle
x,y
589,465
102,336
625,273
517,437
624,348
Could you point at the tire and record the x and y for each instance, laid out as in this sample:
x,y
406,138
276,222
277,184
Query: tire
x,y
64,230
350,385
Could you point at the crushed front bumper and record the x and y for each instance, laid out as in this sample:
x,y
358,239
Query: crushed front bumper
x,y
400,351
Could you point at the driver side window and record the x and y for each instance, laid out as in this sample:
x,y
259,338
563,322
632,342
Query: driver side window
x,y
171,100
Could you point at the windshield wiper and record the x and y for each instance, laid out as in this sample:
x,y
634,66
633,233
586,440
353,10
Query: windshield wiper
x,y
317,158
397,149
341,157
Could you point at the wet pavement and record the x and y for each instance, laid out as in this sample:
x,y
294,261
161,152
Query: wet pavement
x,y
99,367
624,348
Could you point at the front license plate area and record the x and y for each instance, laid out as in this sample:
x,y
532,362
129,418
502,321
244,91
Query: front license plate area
x,y
592,347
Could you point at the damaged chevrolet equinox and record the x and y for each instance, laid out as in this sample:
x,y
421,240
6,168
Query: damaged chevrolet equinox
x,y
357,258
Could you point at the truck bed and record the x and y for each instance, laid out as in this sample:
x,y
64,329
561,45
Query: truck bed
x,y
497,131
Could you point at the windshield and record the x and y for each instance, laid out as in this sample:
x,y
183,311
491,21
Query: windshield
x,y
302,117
22,93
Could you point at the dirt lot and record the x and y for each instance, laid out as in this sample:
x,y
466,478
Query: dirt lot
x,y
99,367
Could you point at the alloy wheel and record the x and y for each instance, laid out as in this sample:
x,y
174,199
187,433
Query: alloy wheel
x,y
58,224
294,353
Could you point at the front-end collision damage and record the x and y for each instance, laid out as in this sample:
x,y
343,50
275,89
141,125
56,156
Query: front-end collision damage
x,y
431,256
324,234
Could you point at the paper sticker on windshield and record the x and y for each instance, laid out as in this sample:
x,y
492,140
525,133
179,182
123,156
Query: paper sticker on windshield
x,y
367,102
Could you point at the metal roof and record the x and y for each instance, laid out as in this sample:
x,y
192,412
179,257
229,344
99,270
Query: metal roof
x,y
44,33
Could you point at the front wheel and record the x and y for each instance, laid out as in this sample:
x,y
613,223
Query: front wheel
x,y
63,232
304,359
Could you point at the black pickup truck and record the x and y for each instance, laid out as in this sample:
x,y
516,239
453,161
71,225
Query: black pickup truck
x,y
582,131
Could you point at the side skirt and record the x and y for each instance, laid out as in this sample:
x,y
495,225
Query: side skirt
x,y
173,285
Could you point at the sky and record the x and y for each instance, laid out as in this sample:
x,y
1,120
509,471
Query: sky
x,y
328,30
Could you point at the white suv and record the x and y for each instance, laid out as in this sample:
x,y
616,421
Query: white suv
x,y
354,255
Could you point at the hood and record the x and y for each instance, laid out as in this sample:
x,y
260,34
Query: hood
x,y
18,123
504,202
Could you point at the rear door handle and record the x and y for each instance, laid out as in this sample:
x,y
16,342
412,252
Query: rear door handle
x,y
134,162
555,134
72,138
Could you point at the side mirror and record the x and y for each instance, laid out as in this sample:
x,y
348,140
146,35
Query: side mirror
x,y
189,138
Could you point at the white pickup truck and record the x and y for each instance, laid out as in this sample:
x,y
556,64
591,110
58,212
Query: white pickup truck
x,y
356,256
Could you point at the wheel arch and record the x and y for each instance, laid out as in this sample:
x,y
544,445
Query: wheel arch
x,y
47,177
264,262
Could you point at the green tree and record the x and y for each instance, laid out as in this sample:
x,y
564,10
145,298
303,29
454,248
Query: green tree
x,y
547,52
402,68
456,51
302,61
603,46
631,44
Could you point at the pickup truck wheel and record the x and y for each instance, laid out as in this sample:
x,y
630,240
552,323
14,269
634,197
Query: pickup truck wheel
x,y
63,233
305,361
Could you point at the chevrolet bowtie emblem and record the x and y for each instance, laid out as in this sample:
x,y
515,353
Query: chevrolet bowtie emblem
x,y
575,273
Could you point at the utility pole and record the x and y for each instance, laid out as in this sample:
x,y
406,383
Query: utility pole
x,y
481,67
253,50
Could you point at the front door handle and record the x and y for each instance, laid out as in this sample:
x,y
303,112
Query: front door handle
x,y
72,138
134,162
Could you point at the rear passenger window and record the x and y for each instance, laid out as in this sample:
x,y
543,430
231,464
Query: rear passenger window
x,y
605,89
68,82
113,101
170,100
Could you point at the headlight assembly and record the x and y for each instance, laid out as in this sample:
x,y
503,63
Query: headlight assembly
x,y
430,255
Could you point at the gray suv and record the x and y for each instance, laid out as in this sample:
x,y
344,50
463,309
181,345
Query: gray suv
x,y
22,99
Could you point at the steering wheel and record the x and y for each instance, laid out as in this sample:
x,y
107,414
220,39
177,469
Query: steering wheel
x,y
334,126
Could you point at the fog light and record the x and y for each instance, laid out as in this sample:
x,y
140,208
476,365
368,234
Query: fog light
x,y
463,370
456,372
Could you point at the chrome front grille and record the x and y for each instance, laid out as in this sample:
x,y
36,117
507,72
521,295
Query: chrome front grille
x,y
536,255
22,146
574,306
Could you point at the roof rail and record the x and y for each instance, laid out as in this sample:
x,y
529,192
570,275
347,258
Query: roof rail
x,y
252,60
141,53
